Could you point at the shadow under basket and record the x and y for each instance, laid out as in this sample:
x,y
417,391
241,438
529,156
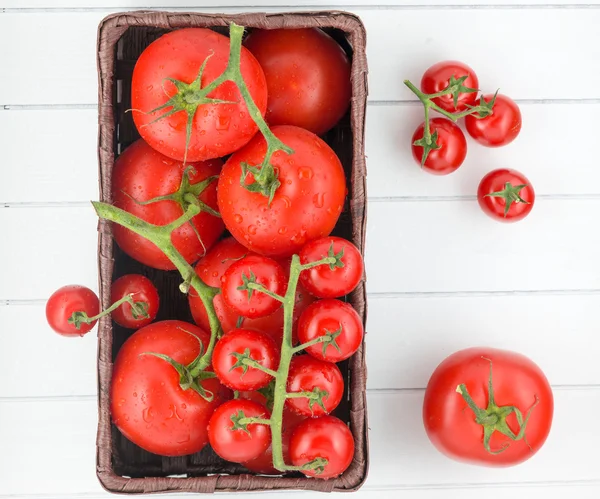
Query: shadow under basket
x,y
122,466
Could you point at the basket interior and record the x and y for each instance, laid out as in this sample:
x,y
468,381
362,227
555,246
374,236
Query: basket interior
x,y
128,459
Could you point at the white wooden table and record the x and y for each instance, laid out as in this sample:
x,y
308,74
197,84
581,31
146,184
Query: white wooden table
x,y
441,276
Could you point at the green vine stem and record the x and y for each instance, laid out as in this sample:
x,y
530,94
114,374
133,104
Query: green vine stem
x,y
161,237
80,317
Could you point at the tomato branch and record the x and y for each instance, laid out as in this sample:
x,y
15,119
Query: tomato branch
x,y
81,317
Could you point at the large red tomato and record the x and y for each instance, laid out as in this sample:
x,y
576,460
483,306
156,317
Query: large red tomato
x,y
148,405
308,77
217,129
469,423
307,201
211,268
141,174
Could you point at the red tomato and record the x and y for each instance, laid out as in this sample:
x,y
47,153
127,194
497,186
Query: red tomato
x,y
308,374
244,443
326,437
64,302
437,78
452,147
260,270
506,195
260,348
148,404
305,206
145,297
499,128
141,174
308,77
331,316
458,432
331,281
211,268
217,129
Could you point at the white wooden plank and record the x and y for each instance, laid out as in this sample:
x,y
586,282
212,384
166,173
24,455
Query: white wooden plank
x,y
49,155
401,456
453,246
407,337
63,45
49,247
63,167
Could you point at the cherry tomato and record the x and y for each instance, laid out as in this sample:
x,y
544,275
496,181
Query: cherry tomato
x,y
324,281
308,374
458,432
308,77
253,269
506,195
499,128
217,129
326,437
305,206
148,404
259,346
437,78
331,316
452,147
145,297
211,268
64,302
244,443
141,174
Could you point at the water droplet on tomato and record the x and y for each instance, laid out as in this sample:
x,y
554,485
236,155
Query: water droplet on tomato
x,y
149,87
126,417
319,199
121,402
148,414
183,406
202,132
167,162
305,173
184,440
161,142
287,202
223,123
282,230
252,311
242,115
237,218
252,229
215,274
135,394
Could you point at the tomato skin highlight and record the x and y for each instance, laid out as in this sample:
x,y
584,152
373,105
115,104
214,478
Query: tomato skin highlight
x,y
147,403
308,77
324,282
262,349
326,437
140,174
307,373
450,424
239,446
143,290
437,78
501,127
218,129
330,316
306,205
452,151
494,207
64,302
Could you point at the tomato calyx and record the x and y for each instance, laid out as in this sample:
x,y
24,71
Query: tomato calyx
x,y
250,285
244,361
493,418
484,109
266,181
326,339
456,87
510,194
241,421
315,396
139,310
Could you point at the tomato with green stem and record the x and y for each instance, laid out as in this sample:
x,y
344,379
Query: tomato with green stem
x,y
326,437
274,203
240,282
488,406
499,127
159,399
315,387
236,354
183,104
145,301
334,322
65,303
506,195
158,190
447,75
308,77
237,430
333,280
446,151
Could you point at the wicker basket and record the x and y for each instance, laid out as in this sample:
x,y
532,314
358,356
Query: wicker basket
x,y
122,466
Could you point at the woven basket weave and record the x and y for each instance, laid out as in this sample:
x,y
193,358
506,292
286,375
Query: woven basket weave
x,y
122,466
